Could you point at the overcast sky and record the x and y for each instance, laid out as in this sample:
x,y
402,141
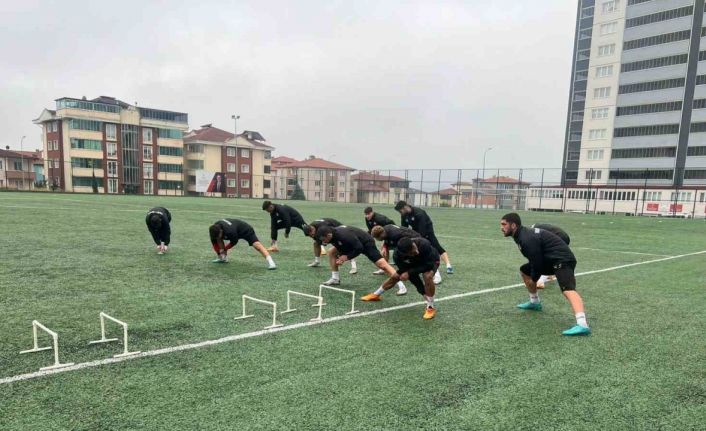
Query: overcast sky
x,y
370,84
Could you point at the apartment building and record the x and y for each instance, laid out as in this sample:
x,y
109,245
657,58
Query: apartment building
x,y
244,161
312,179
17,170
637,109
114,146
375,187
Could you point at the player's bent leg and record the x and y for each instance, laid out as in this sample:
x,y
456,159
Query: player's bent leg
x,y
387,285
335,279
354,267
429,291
317,255
533,303
567,282
383,265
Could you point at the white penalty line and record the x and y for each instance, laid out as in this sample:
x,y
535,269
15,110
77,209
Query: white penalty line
x,y
231,338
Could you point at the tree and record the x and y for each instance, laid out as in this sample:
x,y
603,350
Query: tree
x,y
298,194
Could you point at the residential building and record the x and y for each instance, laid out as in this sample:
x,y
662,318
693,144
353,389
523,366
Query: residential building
x,y
245,161
314,178
374,187
497,192
16,170
128,149
37,161
637,108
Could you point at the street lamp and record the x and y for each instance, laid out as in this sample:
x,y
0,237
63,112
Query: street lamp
x,y
484,154
480,181
22,161
237,165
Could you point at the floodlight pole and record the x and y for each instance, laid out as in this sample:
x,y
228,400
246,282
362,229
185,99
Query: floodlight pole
x,y
22,161
237,167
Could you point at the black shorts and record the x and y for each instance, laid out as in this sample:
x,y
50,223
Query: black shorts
x,y
564,272
435,243
249,236
416,272
370,250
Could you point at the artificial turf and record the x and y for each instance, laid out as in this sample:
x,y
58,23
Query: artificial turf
x,y
481,364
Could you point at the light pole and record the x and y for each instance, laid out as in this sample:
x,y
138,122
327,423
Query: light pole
x,y
22,161
483,175
237,165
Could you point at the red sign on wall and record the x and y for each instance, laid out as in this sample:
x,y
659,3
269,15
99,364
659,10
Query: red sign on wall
x,y
676,208
652,207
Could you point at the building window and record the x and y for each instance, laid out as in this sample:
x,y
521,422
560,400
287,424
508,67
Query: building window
x,y
231,167
652,196
245,184
170,185
599,113
147,137
112,185
609,28
601,93
604,71
194,164
111,149
266,184
230,152
267,169
268,155
659,129
55,126
171,168
341,173
594,134
595,154
171,151
659,16
244,169
86,144
147,152
696,151
169,134
654,62
573,156
148,187
231,183
94,126
656,40
80,162
650,108
194,148
112,168
649,174
111,132
317,194
244,152
610,6
605,50
342,195
593,175
147,170
342,184
652,85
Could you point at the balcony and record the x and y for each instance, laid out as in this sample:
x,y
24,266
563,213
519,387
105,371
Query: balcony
x,y
18,175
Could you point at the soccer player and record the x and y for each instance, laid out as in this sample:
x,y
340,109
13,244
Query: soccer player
x,y
417,260
373,219
310,230
282,217
547,254
417,219
233,230
391,235
556,230
349,242
158,219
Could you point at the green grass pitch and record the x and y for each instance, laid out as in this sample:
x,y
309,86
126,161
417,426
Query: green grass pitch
x,y
481,364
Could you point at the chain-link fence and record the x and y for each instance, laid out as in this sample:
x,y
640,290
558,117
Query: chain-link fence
x,y
608,191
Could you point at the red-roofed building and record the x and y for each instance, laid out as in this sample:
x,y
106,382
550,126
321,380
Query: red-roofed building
x,y
17,169
374,187
319,179
242,166
499,192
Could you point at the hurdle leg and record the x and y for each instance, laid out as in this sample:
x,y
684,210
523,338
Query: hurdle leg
x,y
36,347
245,315
57,364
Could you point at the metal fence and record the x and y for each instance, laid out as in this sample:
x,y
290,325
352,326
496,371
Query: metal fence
x,y
614,191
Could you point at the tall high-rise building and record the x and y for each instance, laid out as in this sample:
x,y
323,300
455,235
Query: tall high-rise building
x,y
109,146
637,108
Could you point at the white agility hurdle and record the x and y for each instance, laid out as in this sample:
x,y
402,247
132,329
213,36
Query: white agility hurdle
x,y
321,290
319,302
274,311
36,347
103,339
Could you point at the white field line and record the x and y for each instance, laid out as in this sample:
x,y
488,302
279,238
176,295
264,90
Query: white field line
x,y
231,338
575,248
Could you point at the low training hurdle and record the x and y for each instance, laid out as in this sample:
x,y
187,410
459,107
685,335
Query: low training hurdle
x,y
319,302
321,290
274,311
36,347
103,339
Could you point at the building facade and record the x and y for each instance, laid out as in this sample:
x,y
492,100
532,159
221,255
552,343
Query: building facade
x,y
109,146
312,179
637,109
17,170
245,161
374,187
